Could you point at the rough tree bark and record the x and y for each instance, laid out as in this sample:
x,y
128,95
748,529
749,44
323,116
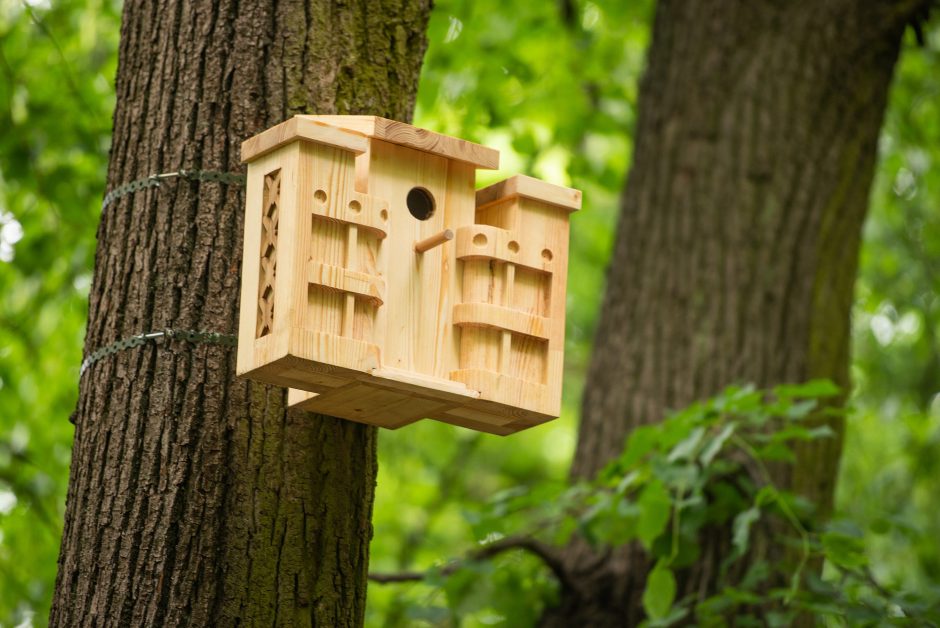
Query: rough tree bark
x,y
738,240
194,498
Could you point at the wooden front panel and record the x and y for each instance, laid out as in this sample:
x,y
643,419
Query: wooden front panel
x,y
416,316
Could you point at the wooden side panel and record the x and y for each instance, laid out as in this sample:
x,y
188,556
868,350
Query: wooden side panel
x,y
531,292
528,359
326,244
481,282
460,205
266,291
339,248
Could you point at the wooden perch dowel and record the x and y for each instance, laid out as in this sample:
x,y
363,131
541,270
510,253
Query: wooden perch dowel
x,y
429,243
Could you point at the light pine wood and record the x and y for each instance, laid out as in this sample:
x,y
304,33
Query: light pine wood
x,y
303,127
529,187
435,240
365,312
395,132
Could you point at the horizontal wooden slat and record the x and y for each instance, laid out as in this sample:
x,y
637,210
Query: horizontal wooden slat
x,y
488,242
361,210
487,315
363,285
329,351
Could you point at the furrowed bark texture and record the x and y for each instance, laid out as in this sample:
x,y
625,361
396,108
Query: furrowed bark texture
x,y
196,499
737,245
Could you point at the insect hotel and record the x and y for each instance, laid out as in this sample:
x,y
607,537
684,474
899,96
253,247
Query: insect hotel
x,y
379,286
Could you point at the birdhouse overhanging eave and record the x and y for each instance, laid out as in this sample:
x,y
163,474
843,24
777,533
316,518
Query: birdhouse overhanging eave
x,y
354,132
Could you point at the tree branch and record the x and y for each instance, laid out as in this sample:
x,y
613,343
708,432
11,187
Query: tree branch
x,y
548,554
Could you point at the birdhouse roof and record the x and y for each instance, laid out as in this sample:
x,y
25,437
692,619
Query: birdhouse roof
x,y
528,187
353,133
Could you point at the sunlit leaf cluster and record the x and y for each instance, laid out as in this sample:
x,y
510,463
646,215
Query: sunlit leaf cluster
x,y
679,484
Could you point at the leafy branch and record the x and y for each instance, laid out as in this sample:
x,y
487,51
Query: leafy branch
x,y
548,554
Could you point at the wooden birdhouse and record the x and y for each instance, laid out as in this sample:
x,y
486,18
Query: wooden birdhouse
x,y
380,287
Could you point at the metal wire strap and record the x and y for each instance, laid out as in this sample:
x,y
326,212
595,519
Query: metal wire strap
x,y
195,337
156,180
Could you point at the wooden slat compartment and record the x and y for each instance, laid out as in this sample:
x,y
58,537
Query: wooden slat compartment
x,y
369,310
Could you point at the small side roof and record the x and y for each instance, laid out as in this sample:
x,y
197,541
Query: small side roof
x,y
530,187
352,133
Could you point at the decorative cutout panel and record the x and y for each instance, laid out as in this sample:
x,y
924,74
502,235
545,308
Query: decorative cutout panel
x,y
268,263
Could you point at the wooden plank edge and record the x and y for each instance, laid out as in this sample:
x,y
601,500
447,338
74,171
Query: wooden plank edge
x,y
523,186
302,128
410,136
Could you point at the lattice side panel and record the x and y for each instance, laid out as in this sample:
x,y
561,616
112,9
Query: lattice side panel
x,y
270,201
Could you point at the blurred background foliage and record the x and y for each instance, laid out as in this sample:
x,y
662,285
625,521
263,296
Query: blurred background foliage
x,y
554,87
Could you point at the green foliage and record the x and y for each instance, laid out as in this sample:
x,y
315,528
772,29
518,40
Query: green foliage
x,y
660,592
891,464
57,64
889,478
554,86
704,471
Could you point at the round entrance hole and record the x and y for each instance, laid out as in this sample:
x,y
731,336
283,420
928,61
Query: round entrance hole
x,y
420,203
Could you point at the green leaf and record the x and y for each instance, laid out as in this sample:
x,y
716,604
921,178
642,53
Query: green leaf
x,y
844,550
814,389
742,528
801,409
627,482
766,495
641,442
688,446
660,591
714,445
655,505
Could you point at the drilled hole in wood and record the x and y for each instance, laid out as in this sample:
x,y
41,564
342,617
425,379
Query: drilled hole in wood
x,y
479,239
384,214
320,195
355,207
513,246
546,255
420,203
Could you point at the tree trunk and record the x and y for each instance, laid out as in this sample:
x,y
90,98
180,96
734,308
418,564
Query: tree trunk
x,y
196,499
738,240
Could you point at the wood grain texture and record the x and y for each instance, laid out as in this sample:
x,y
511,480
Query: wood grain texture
x,y
306,128
410,136
196,498
435,240
736,249
389,303
530,187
